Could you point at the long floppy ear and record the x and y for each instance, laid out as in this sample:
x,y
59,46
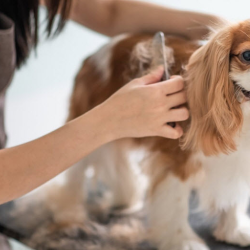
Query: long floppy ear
x,y
215,113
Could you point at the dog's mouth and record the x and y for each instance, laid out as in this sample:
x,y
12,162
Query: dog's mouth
x,y
245,92
240,89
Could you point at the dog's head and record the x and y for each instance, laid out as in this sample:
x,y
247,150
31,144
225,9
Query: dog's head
x,y
218,87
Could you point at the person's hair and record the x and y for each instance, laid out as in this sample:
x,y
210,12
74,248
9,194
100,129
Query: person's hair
x,y
25,15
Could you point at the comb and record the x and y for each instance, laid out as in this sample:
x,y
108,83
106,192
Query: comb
x,y
160,58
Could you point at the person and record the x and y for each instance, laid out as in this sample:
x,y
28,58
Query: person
x,y
148,109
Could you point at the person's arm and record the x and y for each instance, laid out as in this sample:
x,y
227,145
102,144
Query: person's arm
x,y
138,109
113,17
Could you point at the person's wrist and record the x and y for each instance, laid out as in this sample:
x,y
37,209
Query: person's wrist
x,y
106,122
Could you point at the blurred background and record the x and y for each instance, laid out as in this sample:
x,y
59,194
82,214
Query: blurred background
x,y
37,101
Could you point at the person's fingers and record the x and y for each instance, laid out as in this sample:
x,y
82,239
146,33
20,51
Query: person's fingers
x,y
171,133
177,115
173,85
176,99
153,77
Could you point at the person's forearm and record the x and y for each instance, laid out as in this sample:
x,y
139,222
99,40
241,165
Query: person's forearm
x,y
112,17
139,109
28,166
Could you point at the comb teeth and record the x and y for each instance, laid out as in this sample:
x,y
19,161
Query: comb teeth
x,y
159,53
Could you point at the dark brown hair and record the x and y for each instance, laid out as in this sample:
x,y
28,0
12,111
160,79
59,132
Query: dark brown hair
x,y
25,15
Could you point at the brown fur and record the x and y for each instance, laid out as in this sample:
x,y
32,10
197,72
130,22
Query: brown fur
x,y
216,115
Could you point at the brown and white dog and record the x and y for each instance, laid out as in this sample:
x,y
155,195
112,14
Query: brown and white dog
x,y
213,157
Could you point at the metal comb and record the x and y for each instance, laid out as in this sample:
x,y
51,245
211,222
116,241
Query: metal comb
x,y
160,58
159,53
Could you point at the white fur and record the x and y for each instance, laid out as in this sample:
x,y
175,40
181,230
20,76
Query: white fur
x,y
110,165
234,225
168,215
116,171
242,79
66,200
102,57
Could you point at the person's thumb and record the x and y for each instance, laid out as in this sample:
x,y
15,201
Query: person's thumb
x,y
153,77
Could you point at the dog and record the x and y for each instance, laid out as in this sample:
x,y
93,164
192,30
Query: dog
x,y
213,155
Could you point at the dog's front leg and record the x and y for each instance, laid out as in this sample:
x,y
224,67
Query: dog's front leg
x,y
234,225
168,216
66,202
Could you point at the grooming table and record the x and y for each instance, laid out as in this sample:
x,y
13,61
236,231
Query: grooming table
x,y
28,221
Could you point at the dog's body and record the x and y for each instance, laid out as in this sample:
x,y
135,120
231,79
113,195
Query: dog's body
x,y
214,156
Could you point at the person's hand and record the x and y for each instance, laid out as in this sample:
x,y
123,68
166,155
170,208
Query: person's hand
x,y
143,107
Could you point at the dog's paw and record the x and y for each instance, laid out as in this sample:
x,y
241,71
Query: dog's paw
x,y
237,236
194,245
187,245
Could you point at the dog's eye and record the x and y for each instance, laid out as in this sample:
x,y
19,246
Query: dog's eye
x,y
246,56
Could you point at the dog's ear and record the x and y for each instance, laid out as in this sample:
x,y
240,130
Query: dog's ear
x,y
215,113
